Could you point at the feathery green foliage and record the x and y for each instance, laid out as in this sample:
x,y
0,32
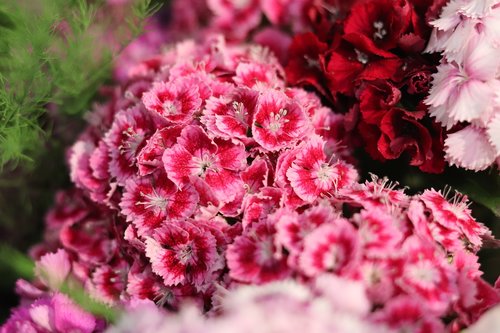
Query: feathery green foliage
x,y
54,53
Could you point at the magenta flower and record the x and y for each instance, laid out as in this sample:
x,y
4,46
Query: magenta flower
x,y
151,202
330,248
216,162
253,256
454,216
312,176
175,101
229,116
278,121
150,157
125,140
182,252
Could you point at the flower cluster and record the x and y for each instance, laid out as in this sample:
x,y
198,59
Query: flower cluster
x,y
366,56
465,92
205,179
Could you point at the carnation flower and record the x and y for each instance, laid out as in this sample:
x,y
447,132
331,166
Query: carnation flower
x,y
365,58
464,88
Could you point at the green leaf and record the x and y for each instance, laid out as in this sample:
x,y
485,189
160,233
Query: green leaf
x,y
488,196
16,262
6,21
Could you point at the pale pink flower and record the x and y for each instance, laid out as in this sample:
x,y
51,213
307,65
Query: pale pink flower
x,y
470,148
53,269
464,92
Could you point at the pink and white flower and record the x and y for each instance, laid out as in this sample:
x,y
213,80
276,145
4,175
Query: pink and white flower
x,y
278,121
182,253
311,175
150,202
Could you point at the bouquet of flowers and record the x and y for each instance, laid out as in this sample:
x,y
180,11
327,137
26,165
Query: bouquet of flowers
x,y
220,183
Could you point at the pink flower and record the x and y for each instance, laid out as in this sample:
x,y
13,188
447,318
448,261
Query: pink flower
x,y
108,282
256,175
175,101
377,193
216,162
405,313
330,248
279,121
229,116
258,206
235,18
125,140
427,276
464,93
57,314
142,283
253,256
259,76
454,216
150,202
292,228
312,176
379,232
53,269
149,158
182,253
470,148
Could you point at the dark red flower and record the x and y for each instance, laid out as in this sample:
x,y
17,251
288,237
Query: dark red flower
x,y
348,66
376,26
403,132
306,63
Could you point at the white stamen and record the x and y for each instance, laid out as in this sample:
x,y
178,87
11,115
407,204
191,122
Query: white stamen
x,y
380,32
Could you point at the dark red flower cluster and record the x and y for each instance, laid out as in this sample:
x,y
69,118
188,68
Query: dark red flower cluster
x,y
366,57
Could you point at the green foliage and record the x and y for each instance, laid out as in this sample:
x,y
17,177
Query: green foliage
x,y
54,53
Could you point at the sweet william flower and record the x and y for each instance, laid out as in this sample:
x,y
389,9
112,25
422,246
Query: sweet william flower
x,y
125,139
454,215
279,121
332,247
175,101
312,176
253,256
215,162
182,252
150,202
55,314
